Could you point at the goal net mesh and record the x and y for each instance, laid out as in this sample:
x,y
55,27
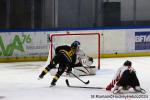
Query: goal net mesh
x,y
90,44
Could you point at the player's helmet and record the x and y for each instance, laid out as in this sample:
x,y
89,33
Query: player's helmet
x,y
75,44
127,63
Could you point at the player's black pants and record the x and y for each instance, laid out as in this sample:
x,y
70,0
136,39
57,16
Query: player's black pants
x,y
57,59
128,79
63,62
60,59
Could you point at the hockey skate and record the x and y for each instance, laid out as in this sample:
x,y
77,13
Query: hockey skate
x,y
40,77
117,89
143,91
139,89
53,83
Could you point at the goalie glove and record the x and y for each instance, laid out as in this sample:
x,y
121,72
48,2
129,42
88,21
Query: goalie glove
x,y
87,62
91,59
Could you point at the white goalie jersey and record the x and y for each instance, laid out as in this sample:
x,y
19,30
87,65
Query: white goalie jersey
x,y
83,58
85,67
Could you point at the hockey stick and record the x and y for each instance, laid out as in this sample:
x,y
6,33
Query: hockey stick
x,y
67,82
80,79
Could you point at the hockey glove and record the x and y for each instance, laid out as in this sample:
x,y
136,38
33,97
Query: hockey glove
x,y
91,59
69,70
109,87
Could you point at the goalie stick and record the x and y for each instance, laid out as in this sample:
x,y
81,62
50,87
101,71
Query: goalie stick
x,y
67,82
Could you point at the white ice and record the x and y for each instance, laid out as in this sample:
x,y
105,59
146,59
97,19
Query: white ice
x,y
18,81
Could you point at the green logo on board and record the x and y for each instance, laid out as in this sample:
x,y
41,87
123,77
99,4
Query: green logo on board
x,y
16,44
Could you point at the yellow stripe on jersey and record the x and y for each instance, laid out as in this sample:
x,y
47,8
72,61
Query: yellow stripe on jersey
x,y
68,54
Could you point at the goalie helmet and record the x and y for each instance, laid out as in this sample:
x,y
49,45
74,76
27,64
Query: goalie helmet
x,y
75,44
127,63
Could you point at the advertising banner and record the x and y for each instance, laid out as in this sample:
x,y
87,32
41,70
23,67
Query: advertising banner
x,y
23,44
142,40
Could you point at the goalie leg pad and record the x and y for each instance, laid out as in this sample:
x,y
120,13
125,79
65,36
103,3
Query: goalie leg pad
x,y
84,71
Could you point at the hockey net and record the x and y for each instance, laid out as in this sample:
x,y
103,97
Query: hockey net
x,y
90,44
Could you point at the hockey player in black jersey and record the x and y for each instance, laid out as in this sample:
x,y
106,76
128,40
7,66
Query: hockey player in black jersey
x,y
64,56
124,79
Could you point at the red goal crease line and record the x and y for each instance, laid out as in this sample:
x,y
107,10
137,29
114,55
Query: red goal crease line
x,y
77,34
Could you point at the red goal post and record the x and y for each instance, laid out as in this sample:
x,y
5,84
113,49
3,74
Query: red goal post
x,y
90,43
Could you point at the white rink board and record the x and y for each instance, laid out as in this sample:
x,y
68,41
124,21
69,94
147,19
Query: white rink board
x,y
36,44
23,44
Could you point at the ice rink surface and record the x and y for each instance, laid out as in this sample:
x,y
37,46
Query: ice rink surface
x,y
18,81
